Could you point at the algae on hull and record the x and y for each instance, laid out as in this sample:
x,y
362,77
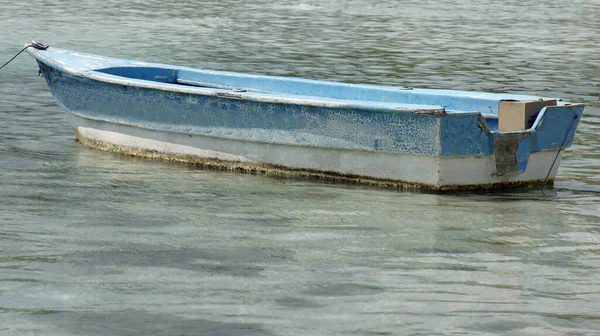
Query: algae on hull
x,y
280,171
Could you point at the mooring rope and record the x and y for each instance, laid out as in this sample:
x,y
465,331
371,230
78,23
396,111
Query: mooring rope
x,y
36,45
558,153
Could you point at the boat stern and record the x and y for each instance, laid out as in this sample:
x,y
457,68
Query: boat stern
x,y
474,157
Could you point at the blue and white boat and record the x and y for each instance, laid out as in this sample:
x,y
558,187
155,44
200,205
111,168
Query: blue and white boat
x,y
429,139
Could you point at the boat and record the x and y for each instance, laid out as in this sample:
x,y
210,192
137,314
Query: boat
x,y
429,139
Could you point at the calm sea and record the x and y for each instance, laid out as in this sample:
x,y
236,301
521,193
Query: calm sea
x,y
95,243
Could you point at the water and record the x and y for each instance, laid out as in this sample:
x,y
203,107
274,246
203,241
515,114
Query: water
x,y
95,243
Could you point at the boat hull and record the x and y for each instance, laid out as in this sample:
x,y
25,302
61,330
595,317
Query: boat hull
x,y
382,169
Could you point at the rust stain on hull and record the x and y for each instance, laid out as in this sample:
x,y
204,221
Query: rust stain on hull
x,y
280,171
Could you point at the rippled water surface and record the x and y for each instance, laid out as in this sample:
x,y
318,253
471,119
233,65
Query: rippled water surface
x,y
94,243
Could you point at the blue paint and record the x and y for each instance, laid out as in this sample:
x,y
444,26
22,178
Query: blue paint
x,y
289,124
465,135
162,75
492,123
292,111
523,151
552,125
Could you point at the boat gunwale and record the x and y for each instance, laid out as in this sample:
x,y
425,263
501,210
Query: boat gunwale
x,y
254,96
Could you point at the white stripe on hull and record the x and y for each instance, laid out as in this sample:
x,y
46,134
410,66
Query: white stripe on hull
x,y
459,171
404,169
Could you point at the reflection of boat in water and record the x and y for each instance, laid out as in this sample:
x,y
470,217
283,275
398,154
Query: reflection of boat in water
x,y
430,139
